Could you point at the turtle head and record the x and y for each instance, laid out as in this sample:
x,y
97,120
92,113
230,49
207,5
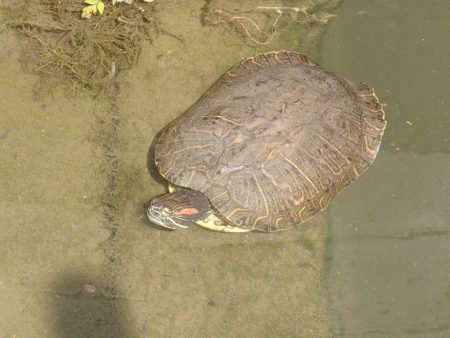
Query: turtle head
x,y
178,209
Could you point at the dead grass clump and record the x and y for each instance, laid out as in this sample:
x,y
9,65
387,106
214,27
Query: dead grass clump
x,y
259,24
63,47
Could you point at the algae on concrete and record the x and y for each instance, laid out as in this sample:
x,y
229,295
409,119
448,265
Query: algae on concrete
x,y
78,256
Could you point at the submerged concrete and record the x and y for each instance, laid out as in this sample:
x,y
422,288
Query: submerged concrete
x,y
78,256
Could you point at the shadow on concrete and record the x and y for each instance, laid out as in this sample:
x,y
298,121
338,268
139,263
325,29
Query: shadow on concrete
x,y
84,309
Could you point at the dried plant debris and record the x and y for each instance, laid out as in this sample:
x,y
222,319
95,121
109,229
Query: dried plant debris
x,y
259,24
64,47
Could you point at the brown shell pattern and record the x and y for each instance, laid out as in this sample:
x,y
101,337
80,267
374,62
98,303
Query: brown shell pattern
x,y
273,140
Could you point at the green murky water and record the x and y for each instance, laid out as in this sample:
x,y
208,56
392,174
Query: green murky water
x,y
79,259
390,271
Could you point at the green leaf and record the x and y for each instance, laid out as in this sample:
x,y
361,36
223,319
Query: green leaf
x,y
88,11
91,2
100,7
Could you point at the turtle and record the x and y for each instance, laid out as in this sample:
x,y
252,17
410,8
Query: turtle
x,y
268,146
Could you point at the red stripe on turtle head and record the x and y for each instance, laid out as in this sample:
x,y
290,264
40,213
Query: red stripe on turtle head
x,y
186,211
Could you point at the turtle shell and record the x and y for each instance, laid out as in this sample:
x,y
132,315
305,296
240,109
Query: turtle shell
x,y
273,140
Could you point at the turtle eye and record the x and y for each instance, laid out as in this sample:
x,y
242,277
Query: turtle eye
x,y
166,211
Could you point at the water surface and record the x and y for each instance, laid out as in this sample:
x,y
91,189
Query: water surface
x,y
390,267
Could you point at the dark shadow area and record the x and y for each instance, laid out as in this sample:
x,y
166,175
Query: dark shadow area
x,y
80,308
